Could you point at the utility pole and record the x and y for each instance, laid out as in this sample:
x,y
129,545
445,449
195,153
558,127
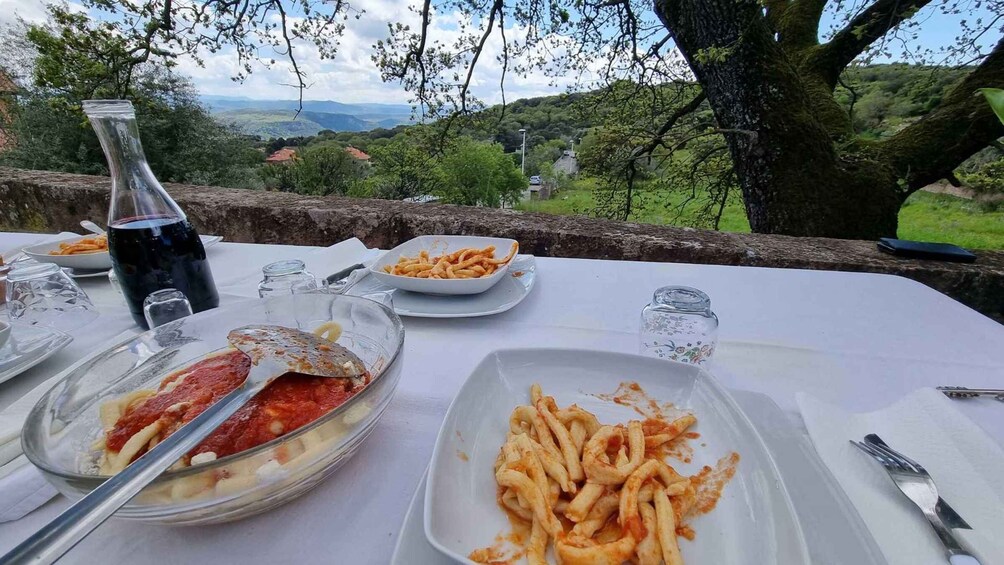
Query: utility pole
x,y
522,159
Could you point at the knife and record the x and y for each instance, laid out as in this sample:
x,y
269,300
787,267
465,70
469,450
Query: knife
x,y
944,511
335,277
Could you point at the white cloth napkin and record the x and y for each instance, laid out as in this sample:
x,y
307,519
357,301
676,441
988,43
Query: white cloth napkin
x,y
22,488
927,426
11,254
321,262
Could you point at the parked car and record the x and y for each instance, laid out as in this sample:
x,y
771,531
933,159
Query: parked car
x,y
534,180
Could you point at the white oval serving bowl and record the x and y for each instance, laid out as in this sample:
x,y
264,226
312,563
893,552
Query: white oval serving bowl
x,y
437,245
97,261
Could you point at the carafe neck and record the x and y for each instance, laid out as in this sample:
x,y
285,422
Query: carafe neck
x,y
136,193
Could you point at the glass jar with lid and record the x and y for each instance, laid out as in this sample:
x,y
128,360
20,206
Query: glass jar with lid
x,y
286,277
679,325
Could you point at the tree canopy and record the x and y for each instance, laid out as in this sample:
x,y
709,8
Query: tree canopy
x,y
71,59
769,104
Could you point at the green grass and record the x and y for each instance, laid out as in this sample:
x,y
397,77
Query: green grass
x,y
949,219
924,217
659,209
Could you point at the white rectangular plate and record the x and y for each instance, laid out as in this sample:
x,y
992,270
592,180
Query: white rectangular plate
x,y
753,523
834,537
437,245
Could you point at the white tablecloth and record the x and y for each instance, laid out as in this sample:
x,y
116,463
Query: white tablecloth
x,y
875,338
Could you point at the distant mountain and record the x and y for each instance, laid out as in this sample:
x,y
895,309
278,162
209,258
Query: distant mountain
x,y
275,118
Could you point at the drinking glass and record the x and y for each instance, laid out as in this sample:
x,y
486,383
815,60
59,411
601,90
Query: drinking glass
x,y
286,277
41,294
164,306
679,325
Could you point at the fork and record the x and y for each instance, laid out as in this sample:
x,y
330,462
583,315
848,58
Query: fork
x,y
914,481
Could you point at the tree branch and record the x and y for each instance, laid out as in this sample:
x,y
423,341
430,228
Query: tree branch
x,y
496,10
961,125
866,28
292,59
798,25
676,116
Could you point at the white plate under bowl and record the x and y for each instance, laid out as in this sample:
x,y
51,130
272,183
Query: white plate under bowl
x,y
505,295
834,537
100,261
437,245
28,346
753,523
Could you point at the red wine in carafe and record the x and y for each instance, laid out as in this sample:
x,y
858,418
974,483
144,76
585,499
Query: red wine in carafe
x,y
154,253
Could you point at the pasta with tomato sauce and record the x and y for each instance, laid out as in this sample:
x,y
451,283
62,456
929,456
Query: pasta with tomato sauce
x,y
134,423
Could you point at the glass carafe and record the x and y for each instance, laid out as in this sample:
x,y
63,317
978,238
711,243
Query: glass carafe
x,y
152,244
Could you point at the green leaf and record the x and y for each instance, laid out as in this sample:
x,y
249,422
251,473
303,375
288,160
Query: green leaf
x,y
995,97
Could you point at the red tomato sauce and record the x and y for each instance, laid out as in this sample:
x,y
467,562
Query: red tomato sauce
x,y
286,404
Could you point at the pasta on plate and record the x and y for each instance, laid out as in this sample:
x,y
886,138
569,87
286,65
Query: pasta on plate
x,y
96,244
466,263
599,493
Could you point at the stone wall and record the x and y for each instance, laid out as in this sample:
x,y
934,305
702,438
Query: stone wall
x,y
50,202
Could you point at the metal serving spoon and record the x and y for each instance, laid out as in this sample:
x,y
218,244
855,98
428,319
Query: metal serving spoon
x,y
92,227
274,351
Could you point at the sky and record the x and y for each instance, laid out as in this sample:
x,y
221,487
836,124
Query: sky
x,y
353,78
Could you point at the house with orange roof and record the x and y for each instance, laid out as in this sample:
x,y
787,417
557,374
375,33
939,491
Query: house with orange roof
x,y
357,154
287,154
282,156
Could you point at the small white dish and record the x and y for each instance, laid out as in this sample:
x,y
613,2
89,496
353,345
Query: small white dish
x,y
835,536
505,295
28,346
4,333
754,521
99,261
437,245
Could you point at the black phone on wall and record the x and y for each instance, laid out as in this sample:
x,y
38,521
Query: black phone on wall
x,y
921,250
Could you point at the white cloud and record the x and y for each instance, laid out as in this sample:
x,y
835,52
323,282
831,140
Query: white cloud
x,y
29,10
352,76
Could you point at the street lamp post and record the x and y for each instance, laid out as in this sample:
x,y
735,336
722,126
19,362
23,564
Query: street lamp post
x,y
522,158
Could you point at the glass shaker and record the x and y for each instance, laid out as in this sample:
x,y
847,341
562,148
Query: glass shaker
x,y
286,277
152,244
679,325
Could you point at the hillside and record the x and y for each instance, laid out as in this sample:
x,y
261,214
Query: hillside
x,y
880,98
277,118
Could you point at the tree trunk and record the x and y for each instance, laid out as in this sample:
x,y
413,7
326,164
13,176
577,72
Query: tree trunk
x,y
793,179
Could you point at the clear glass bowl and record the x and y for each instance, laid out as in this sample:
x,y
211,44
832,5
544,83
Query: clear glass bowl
x,y
61,428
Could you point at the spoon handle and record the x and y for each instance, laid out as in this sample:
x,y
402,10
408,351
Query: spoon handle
x,y
77,521
91,227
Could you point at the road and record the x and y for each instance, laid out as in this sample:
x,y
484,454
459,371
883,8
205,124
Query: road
x,y
566,164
